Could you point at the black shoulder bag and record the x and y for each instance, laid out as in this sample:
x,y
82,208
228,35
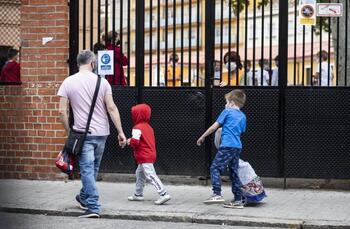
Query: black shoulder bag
x,y
75,141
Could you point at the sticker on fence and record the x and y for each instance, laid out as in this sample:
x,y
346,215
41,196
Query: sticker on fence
x,y
105,62
329,9
307,12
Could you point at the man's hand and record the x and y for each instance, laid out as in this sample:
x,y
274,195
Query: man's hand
x,y
200,141
121,140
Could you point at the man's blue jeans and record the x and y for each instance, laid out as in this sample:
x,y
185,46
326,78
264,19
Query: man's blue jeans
x,y
227,157
89,163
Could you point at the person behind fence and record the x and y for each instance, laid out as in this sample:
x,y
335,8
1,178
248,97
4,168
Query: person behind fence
x,y
232,61
217,73
274,77
252,186
77,91
98,47
233,123
265,80
120,60
173,63
326,71
10,72
249,73
144,145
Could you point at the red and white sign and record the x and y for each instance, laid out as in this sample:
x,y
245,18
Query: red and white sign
x,y
329,9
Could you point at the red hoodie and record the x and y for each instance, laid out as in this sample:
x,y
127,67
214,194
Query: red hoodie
x,y
143,140
11,72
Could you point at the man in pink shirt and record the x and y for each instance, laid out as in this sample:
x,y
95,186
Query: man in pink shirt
x,y
78,90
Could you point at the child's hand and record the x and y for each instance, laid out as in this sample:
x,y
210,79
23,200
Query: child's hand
x,y
200,141
128,141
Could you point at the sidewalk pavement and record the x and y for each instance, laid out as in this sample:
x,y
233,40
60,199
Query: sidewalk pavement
x,y
282,208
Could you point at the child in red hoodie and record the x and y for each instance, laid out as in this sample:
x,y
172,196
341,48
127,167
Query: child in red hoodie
x,y
143,143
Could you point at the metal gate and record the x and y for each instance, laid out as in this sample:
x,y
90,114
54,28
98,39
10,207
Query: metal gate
x,y
298,122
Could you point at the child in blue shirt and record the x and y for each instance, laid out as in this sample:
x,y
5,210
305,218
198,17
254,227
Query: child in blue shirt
x,y
233,123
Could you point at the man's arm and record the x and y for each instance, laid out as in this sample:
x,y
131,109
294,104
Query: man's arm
x,y
63,111
115,116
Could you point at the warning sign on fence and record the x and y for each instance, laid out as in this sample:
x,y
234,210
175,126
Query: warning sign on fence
x,y
329,9
307,12
105,63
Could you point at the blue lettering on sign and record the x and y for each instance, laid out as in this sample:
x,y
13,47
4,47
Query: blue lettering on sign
x,y
106,67
105,59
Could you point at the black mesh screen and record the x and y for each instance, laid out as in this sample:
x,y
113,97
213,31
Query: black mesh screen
x,y
318,133
260,142
178,119
116,159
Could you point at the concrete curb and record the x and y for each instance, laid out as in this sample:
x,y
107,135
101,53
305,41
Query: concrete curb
x,y
190,218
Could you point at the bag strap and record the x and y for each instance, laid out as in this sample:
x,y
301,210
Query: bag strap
x,y
93,105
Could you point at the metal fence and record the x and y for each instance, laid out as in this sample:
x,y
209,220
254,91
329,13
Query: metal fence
x,y
183,55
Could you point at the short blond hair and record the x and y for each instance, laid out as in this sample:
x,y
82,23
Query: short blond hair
x,y
237,96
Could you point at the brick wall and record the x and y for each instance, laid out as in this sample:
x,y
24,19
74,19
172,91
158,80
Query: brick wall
x,y
30,132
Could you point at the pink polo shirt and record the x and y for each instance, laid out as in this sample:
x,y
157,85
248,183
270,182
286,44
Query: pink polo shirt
x,y
79,90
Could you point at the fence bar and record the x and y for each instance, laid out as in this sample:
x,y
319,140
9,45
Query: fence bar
x,y
92,25
174,41
99,21
209,57
229,41
182,42
329,51
190,42
337,60
158,44
312,55
237,45
262,42
346,40
320,55
121,43
140,47
282,82
295,43
270,41
84,24
254,44
198,33
106,22
303,56
246,45
221,36
166,41
150,41
113,25
74,35
128,39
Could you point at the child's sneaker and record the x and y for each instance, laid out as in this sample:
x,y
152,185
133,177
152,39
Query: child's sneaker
x,y
215,199
162,199
234,204
135,198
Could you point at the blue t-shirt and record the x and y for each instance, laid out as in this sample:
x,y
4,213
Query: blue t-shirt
x,y
233,122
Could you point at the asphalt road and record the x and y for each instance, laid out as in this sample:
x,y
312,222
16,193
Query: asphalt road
x,y
29,221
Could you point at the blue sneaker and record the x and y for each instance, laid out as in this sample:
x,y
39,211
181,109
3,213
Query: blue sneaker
x,y
90,214
81,205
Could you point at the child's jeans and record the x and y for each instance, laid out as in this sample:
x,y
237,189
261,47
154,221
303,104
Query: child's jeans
x,y
226,157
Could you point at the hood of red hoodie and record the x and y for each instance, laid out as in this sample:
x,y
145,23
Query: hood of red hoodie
x,y
141,113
